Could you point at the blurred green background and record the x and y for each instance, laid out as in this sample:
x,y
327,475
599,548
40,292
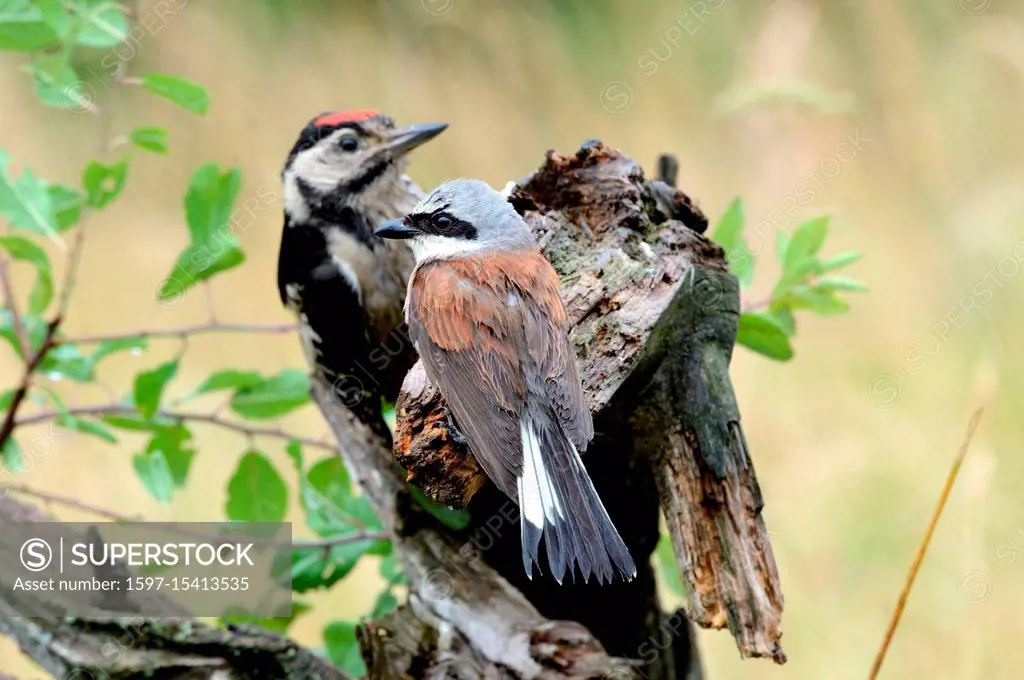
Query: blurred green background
x,y
901,119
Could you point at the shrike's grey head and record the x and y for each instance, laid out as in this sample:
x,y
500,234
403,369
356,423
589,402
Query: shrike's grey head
x,y
459,217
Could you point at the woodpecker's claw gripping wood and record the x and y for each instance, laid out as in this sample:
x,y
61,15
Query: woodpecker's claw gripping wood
x,y
655,314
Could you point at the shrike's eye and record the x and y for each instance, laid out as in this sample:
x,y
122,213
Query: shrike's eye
x,y
443,222
349,143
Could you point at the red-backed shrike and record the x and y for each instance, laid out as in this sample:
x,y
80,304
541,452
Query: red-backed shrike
x,y
487,320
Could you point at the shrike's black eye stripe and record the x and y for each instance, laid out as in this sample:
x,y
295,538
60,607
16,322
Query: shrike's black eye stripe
x,y
441,223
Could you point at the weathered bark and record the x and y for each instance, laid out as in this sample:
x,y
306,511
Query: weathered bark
x,y
129,648
654,313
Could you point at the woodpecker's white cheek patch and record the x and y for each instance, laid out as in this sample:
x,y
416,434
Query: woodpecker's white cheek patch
x,y
294,204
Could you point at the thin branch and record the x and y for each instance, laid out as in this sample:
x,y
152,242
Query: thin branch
x,y
192,416
70,502
758,304
12,305
183,331
916,564
325,543
22,390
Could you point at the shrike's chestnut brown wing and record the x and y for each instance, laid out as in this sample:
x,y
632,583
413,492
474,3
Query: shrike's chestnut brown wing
x,y
482,326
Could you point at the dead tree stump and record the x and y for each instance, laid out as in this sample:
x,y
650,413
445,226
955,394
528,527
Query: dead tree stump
x,y
654,313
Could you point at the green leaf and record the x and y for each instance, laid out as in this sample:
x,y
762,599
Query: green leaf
x,y
150,138
391,569
225,379
102,24
840,283
104,183
155,474
172,443
6,397
209,200
343,648
213,248
135,423
23,27
256,493
839,261
272,397
325,494
57,17
35,328
21,248
729,235
149,386
11,455
805,242
450,517
107,347
66,204
783,316
25,202
822,302
294,451
764,335
85,426
668,569
184,93
67,361
198,263
385,604
781,245
57,83
277,625
316,568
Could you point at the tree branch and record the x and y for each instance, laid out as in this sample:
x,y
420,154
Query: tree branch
x,y
192,416
12,305
182,332
7,428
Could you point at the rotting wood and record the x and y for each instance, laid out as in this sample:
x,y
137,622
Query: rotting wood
x,y
654,313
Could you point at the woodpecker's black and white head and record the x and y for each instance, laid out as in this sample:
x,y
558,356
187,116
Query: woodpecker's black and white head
x,y
351,159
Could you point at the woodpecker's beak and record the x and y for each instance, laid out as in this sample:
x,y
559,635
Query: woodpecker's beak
x,y
397,229
404,140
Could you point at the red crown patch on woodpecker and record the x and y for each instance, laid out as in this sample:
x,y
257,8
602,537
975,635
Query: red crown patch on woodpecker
x,y
341,117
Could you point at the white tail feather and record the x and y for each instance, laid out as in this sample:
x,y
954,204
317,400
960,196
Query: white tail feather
x,y
541,497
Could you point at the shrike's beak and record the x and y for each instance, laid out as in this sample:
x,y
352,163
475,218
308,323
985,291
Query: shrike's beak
x,y
404,140
396,229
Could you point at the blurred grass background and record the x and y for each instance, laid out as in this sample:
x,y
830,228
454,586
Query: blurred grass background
x,y
852,439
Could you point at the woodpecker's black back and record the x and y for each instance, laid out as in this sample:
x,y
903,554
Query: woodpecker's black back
x,y
342,178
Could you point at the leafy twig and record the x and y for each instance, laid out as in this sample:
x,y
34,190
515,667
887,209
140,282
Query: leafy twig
x,y
183,331
192,416
916,564
12,305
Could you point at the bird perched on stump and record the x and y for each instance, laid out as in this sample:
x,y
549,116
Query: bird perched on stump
x,y
343,178
485,314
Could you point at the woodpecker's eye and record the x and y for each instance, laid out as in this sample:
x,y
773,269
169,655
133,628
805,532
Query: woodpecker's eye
x,y
349,143
443,222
